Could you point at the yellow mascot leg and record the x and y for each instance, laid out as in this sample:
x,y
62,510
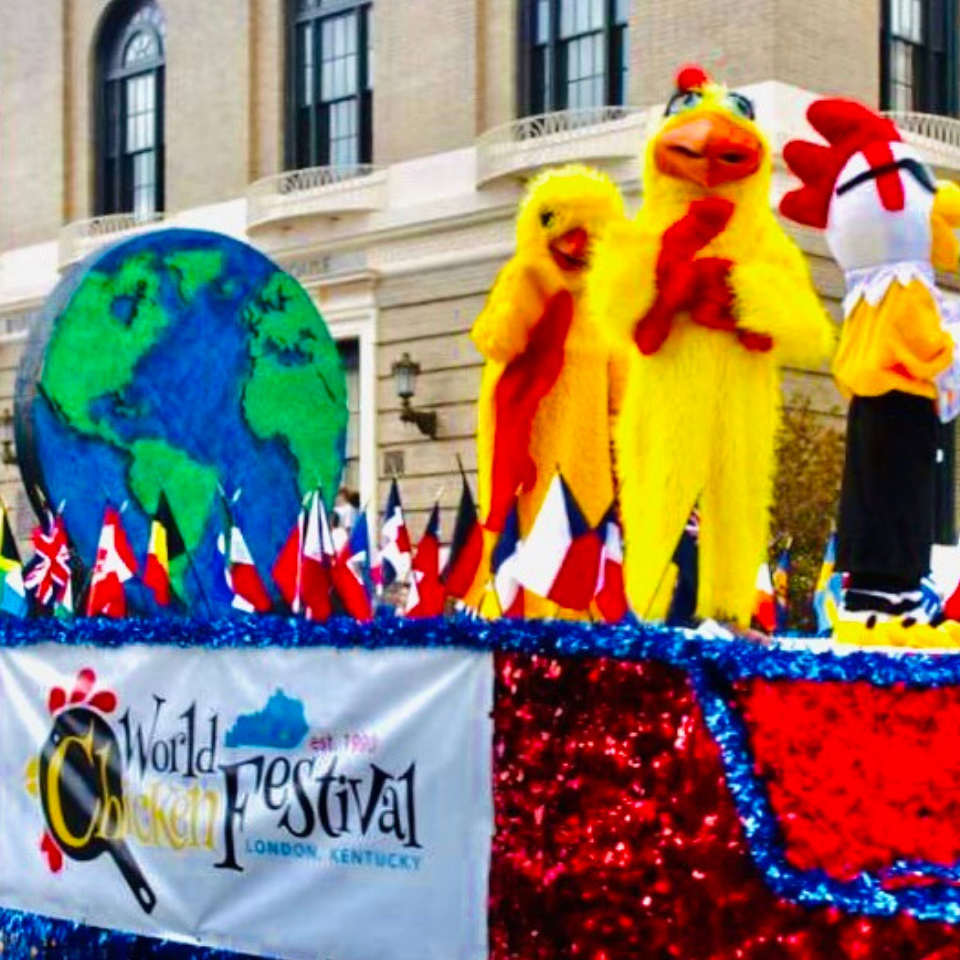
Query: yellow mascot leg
x,y
734,522
658,488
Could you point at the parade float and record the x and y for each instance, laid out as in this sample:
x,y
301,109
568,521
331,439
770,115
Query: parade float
x,y
217,742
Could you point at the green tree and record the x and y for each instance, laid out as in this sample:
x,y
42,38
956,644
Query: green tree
x,y
806,495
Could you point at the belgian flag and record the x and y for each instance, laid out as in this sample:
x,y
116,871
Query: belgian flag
x,y
166,546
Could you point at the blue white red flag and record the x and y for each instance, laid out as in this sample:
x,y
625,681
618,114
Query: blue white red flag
x,y
351,572
504,565
395,549
560,560
611,600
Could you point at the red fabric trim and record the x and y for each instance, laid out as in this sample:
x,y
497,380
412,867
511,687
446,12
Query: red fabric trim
x,y
526,380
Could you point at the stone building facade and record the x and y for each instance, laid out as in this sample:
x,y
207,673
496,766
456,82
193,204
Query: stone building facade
x,y
400,229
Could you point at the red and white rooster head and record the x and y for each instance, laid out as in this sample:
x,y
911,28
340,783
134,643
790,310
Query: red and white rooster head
x,y
869,190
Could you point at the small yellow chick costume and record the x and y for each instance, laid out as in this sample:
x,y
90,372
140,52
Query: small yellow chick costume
x,y
566,385
702,405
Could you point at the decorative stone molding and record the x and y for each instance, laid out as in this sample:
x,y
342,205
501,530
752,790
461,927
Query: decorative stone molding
x,y
594,134
316,191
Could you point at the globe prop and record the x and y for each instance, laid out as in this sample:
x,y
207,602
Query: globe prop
x,y
185,362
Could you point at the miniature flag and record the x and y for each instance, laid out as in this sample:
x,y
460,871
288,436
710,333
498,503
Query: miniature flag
x,y
47,575
246,590
466,550
829,589
13,600
351,572
610,597
683,605
395,549
166,547
781,589
426,595
303,569
313,597
560,560
115,565
764,608
287,569
504,565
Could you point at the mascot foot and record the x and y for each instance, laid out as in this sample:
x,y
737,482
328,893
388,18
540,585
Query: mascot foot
x,y
872,608
901,632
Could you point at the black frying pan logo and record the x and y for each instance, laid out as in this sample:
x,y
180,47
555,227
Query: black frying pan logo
x,y
79,777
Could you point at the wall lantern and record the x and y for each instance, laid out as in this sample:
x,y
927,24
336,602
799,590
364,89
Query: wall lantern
x,y
405,373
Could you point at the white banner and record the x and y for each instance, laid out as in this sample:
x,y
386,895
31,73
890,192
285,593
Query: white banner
x,y
293,803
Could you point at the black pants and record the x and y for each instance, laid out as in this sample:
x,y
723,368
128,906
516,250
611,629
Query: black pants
x,y
887,500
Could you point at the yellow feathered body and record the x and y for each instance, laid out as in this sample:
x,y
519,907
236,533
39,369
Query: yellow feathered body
x,y
572,427
700,415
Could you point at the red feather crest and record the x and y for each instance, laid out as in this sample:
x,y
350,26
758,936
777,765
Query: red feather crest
x,y
848,127
691,77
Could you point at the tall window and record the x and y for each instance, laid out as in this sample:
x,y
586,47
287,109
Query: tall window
x,y
919,56
130,60
330,84
575,53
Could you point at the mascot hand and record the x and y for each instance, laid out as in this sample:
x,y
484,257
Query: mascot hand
x,y
681,278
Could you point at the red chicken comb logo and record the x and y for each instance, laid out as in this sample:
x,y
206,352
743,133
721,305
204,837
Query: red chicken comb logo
x,y
82,694
849,128
691,76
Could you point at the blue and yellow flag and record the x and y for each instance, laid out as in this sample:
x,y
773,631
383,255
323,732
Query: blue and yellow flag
x,y
826,597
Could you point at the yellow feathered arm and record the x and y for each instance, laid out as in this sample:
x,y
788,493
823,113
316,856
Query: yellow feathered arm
x,y
515,306
621,285
773,295
945,218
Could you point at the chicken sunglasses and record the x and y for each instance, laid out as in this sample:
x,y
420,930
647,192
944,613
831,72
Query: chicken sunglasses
x,y
919,171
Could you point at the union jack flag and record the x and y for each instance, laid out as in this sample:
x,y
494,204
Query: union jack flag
x,y
47,575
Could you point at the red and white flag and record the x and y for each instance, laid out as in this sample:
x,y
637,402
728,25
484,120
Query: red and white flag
x,y
313,595
611,598
560,559
303,569
246,588
765,606
115,565
427,594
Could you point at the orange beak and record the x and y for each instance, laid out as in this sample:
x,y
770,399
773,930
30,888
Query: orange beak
x,y
570,250
708,150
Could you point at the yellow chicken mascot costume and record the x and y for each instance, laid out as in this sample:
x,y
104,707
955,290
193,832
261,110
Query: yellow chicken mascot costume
x,y
550,384
713,298
887,223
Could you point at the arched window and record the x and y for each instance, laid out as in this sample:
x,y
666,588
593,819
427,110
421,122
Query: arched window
x,y
130,68
574,54
919,56
330,83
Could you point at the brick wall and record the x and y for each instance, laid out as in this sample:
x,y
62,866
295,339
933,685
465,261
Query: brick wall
x,y
31,123
425,82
